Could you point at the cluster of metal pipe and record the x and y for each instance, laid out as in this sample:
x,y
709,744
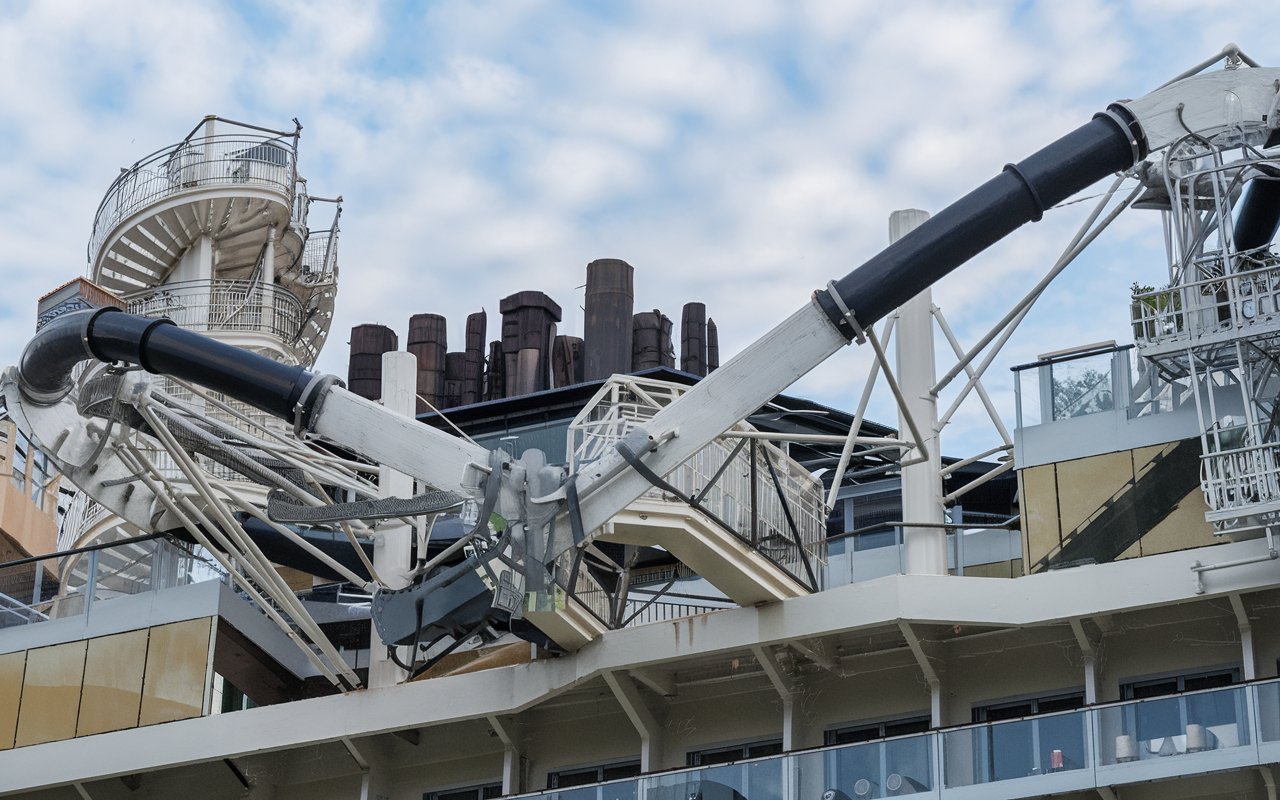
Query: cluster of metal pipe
x,y
530,356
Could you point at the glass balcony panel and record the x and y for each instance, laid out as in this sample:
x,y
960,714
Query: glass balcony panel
x,y
1268,696
1016,749
1082,386
1172,726
615,790
1029,403
891,768
750,780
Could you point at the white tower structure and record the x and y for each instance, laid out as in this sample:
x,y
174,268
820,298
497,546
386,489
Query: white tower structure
x,y
219,234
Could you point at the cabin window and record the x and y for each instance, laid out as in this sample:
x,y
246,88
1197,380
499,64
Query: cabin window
x,y
1162,718
595,782
1030,737
484,791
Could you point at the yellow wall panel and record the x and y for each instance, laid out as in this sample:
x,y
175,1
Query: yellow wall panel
x,y
1039,505
51,693
1183,529
11,667
1086,483
112,683
177,671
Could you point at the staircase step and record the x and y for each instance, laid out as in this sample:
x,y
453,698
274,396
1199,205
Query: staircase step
x,y
218,208
182,228
122,250
121,264
158,253
162,234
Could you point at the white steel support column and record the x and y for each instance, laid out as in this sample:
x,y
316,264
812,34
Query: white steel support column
x,y
507,729
925,548
269,280
1089,653
931,676
784,685
393,543
1247,656
642,717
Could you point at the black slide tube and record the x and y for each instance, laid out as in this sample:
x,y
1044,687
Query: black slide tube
x,y
1259,216
1109,143
160,346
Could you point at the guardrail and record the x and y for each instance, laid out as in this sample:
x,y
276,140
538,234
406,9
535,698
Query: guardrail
x,y
1108,745
221,305
239,159
747,485
71,583
1244,477
1242,300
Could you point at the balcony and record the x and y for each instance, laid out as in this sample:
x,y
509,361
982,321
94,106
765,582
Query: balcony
x,y
1103,746
73,584
1213,310
240,160
223,306
1242,482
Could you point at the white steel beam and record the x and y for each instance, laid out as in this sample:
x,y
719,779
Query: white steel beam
x,y
1247,656
785,685
507,727
642,717
927,668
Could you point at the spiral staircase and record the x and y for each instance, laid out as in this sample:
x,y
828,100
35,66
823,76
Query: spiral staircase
x,y
217,233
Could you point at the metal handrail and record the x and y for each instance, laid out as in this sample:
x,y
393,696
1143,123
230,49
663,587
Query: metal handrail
x,y
220,160
1170,314
224,305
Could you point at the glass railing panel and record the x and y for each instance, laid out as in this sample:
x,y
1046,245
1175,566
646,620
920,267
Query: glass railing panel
x,y
889,768
1268,705
1016,749
748,780
625,789
66,585
1081,386
1173,726
29,593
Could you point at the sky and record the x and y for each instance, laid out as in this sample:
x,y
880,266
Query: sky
x,y
741,153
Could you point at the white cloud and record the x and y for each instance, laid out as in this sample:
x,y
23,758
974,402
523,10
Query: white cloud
x,y
738,153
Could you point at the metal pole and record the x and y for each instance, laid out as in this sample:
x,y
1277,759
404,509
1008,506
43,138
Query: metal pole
x,y
925,547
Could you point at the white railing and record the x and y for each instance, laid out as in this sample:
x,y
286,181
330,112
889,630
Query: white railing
x,y
83,514
1242,478
220,305
240,159
1242,301
743,496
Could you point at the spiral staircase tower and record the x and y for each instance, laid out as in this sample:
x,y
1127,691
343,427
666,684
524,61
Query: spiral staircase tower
x,y
219,234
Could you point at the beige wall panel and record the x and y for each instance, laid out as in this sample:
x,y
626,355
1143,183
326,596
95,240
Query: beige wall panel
x,y
176,673
112,683
1132,551
1183,529
1086,483
1039,511
51,693
11,668
1142,457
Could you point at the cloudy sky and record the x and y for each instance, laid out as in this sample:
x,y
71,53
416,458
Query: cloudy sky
x,y
737,152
